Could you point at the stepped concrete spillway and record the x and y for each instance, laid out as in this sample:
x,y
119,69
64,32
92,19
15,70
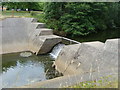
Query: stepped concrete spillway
x,y
78,62
83,62
26,34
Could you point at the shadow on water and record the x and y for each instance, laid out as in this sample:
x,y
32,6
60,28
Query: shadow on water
x,y
102,36
18,71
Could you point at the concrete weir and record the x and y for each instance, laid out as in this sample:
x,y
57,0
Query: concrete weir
x,y
82,62
26,34
88,57
78,62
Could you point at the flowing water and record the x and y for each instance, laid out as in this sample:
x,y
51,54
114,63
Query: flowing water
x,y
56,50
18,71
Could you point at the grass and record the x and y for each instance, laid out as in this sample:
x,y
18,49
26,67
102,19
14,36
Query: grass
x,y
6,14
16,13
34,14
92,84
104,82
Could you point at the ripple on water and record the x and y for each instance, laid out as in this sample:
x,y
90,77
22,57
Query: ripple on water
x,y
19,71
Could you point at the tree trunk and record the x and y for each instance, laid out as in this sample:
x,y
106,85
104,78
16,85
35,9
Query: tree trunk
x,y
2,7
28,10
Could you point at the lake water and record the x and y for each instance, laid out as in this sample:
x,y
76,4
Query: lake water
x,y
18,71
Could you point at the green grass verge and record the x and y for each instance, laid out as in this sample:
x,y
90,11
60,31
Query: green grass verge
x,y
103,82
34,14
16,13
92,84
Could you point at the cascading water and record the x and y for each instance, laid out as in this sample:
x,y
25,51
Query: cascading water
x,y
56,50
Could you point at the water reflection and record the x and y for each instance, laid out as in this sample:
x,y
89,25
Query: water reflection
x,y
18,71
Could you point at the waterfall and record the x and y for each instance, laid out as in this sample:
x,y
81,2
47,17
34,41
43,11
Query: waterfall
x,y
56,50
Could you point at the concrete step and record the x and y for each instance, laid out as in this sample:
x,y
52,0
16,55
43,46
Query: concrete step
x,y
34,20
111,45
40,43
45,31
50,40
40,32
110,54
39,25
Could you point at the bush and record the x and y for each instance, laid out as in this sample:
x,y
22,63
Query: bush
x,y
80,18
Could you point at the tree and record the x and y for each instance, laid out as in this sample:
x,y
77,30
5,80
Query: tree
x,y
80,18
22,5
53,12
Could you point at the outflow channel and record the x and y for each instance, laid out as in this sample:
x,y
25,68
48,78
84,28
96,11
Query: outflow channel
x,y
18,71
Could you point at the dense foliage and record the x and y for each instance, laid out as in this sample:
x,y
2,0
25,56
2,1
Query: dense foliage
x,y
82,18
73,18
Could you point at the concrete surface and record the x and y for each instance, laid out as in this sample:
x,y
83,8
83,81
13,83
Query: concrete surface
x,y
75,59
78,62
46,31
49,41
65,59
15,34
87,57
69,80
26,34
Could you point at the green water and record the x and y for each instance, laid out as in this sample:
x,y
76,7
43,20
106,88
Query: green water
x,y
102,36
19,71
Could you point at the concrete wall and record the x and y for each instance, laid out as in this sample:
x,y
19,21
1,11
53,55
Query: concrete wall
x,y
26,34
88,57
15,33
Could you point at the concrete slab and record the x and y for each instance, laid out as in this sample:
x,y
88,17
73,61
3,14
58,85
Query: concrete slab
x,y
15,34
39,25
25,34
75,59
69,80
65,58
49,41
110,55
45,31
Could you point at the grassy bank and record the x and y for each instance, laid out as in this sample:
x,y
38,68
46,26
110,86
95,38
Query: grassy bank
x,y
16,14
103,82
34,14
92,84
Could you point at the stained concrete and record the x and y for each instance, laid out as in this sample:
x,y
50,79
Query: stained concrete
x,y
88,57
110,55
15,34
69,80
46,31
43,44
65,59
26,34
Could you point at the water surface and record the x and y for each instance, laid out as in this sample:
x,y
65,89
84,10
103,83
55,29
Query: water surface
x,y
19,71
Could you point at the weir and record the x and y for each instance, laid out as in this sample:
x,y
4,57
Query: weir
x,y
78,62
26,34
